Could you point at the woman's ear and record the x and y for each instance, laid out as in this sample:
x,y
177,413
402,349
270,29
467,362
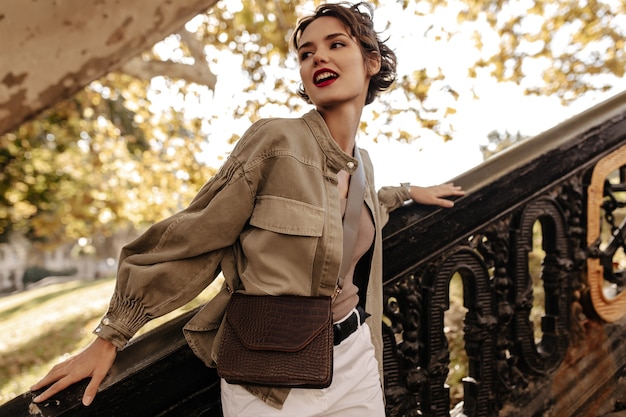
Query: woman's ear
x,y
373,65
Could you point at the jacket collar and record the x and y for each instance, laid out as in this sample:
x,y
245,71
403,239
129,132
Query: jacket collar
x,y
337,158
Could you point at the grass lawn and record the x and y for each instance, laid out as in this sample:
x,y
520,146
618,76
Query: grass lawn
x,y
42,326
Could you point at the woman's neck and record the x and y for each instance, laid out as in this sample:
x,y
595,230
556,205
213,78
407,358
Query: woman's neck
x,y
343,125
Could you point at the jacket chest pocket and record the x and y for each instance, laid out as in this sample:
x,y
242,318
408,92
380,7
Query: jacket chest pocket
x,y
280,245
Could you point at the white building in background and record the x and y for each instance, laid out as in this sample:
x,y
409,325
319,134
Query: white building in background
x,y
13,260
16,258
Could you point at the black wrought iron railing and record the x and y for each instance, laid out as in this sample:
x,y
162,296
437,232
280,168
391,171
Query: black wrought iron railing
x,y
566,181
561,192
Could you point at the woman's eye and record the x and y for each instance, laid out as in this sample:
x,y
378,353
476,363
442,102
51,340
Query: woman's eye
x,y
337,45
305,55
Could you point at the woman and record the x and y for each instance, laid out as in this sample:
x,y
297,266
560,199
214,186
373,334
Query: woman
x,y
271,221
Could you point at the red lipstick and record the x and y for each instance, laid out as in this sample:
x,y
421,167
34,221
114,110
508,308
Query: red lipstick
x,y
324,77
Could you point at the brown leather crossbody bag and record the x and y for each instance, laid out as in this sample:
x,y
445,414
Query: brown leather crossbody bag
x,y
287,340
284,341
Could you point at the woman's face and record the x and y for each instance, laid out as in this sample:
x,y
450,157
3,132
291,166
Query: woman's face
x,y
332,67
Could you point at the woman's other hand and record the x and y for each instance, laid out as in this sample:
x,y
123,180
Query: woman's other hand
x,y
435,195
95,361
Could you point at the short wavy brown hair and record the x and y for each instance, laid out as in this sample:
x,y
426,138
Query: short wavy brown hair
x,y
358,19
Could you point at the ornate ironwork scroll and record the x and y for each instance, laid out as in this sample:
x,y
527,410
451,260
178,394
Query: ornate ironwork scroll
x,y
422,345
548,354
571,191
503,356
478,333
600,260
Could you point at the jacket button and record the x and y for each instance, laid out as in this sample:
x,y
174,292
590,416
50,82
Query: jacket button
x,y
106,321
350,165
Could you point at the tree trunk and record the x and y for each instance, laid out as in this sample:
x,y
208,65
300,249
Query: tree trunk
x,y
51,49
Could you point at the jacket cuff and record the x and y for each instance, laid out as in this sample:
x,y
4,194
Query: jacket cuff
x,y
110,333
394,197
407,190
123,319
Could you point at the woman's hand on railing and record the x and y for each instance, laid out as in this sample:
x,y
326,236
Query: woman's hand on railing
x,y
435,195
95,361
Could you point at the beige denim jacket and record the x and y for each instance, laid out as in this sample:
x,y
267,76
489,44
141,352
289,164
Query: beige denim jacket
x,y
270,220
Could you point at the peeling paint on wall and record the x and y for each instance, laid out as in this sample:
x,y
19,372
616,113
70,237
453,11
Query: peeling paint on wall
x,y
56,48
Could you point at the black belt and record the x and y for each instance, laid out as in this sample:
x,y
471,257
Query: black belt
x,y
348,326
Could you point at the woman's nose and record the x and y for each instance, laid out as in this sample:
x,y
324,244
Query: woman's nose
x,y
319,57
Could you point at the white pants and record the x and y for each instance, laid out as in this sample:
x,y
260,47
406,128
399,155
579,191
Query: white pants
x,y
354,392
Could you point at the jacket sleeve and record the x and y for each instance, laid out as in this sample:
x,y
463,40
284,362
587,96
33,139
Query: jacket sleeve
x,y
389,198
393,197
176,258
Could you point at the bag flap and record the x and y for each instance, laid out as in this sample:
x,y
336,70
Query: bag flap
x,y
285,323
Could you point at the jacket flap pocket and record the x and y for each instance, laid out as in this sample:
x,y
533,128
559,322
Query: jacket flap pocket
x,y
284,323
287,216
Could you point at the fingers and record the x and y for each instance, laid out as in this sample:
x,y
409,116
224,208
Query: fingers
x,y
449,189
436,194
59,380
446,190
55,374
91,390
42,383
62,380
444,203
96,379
54,389
94,362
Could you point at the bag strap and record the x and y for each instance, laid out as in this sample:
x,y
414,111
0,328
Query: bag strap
x,y
351,218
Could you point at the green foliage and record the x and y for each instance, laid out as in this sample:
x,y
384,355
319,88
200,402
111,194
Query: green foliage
x,y
256,30
499,142
576,43
97,163
113,156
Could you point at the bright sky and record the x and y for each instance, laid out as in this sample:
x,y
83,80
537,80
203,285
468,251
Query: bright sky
x,y
427,160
